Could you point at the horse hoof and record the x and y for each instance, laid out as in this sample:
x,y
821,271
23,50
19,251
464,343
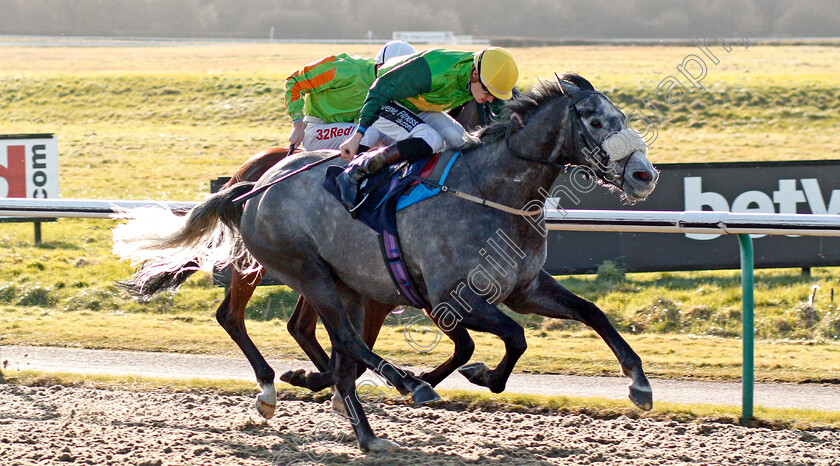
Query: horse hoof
x,y
642,398
379,445
338,406
296,377
497,388
424,394
266,410
474,372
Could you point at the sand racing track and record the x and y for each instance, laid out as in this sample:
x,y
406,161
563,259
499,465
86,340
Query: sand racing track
x,y
61,425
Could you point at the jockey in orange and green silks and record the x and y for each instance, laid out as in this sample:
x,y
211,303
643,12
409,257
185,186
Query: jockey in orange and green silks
x,y
346,77
324,98
331,90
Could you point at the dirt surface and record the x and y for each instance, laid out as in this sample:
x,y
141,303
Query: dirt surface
x,y
60,425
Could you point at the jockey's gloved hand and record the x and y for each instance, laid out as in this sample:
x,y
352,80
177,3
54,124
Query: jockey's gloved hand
x,y
297,133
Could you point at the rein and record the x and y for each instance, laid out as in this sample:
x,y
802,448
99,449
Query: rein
x,y
586,136
478,200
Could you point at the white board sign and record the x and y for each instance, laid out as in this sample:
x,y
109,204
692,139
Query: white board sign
x,y
29,166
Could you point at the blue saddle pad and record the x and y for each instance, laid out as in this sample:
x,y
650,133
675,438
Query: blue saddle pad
x,y
438,172
391,190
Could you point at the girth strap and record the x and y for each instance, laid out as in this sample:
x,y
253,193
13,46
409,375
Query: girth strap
x,y
399,272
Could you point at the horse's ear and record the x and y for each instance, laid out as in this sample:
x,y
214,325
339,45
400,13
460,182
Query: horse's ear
x,y
566,87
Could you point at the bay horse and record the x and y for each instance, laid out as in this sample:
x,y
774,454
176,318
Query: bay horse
x,y
303,236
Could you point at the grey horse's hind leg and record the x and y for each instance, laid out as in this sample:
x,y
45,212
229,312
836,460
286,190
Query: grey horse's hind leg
x,y
302,327
345,382
546,297
345,373
322,293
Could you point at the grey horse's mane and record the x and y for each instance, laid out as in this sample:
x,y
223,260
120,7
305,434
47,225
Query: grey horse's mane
x,y
524,103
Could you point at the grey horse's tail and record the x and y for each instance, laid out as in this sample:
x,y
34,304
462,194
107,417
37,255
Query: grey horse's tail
x,y
168,248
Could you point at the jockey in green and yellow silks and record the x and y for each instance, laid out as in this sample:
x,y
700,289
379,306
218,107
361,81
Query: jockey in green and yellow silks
x,y
406,102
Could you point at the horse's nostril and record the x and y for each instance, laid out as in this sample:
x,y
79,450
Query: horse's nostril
x,y
644,176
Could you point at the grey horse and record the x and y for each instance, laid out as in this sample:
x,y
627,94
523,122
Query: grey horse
x,y
303,236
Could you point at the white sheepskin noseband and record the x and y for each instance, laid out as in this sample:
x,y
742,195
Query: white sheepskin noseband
x,y
623,143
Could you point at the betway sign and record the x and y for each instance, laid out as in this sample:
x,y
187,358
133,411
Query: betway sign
x,y
780,187
783,200
29,166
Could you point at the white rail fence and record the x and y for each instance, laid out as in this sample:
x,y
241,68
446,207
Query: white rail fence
x,y
568,220
741,224
731,223
78,208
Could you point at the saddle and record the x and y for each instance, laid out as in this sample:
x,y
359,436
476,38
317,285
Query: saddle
x,y
389,191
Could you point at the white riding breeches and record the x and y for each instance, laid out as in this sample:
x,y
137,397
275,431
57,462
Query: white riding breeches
x,y
319,136
438,129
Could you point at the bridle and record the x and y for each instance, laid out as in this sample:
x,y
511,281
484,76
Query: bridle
x,y
591,147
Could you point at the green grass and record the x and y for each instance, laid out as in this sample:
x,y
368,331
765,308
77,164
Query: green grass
x,y
801,419
683,324
160,122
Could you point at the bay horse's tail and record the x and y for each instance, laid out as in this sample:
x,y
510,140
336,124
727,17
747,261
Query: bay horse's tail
x,y
169,248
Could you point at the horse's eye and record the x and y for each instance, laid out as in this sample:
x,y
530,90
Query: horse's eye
x,y
595,124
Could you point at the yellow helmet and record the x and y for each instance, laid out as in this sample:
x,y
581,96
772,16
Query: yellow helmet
x,y
497,70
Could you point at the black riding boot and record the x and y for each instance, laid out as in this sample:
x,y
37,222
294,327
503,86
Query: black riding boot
x,y
360,168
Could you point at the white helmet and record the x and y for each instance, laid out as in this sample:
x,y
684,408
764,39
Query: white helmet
x,y
395,48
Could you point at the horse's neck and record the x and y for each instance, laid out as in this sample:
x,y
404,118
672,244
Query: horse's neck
x,y
501,177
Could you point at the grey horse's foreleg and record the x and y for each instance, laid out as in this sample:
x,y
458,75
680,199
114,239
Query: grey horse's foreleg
x,y
546,297
473,312
464,348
